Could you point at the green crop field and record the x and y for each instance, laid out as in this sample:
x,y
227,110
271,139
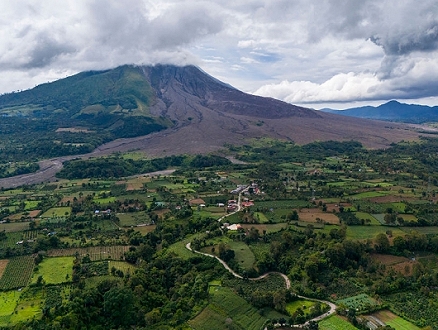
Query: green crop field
x,y
394,321
359,302
335,322
125,267
54,270
105,201
227,309
133,219
369,232
14,226
367,216
369,194
57,212
17,273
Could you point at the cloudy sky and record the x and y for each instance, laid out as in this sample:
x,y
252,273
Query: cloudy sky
x,y
316,53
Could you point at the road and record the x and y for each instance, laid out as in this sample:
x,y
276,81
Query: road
x,y
332,306
286,279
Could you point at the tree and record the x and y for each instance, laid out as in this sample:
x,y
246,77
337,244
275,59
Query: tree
x,y
118,306
381,243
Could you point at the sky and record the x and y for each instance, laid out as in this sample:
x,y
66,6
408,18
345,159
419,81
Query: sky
x,y
314,53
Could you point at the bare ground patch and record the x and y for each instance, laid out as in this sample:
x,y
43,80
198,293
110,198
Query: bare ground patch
x,y
3,264
334,207
312,215
73,130
399,264
34,213
387,199
385,315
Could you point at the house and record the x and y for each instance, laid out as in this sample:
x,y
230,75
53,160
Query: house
x,y
248,204
234,227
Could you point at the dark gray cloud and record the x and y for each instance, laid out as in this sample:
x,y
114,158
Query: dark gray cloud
x,y
46,51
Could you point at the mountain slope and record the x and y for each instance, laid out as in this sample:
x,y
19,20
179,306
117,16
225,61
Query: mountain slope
x,y
392,111
167,109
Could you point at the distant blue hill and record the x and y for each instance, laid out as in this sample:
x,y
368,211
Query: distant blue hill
x,y
392,111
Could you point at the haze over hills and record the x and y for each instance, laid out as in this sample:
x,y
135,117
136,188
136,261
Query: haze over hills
x,y
392,111
167,109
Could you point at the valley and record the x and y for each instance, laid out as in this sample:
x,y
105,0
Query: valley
x,y
345,225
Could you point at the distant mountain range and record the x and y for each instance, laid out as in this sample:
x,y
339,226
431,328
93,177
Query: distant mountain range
x,y
167,109
392,111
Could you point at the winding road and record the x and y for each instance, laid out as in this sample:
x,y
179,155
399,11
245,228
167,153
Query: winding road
x,y
286,279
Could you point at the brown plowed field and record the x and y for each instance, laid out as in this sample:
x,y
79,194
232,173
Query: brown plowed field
x,y
311,215
3,264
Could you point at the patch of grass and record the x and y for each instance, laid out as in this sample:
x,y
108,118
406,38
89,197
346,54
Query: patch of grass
x,y
365,232
104,201
367,216
335,322
54,270
57,212
8,302
305,305
243,254
124,266
394,321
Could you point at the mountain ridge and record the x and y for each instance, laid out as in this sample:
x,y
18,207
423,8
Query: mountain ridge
x,y
392,111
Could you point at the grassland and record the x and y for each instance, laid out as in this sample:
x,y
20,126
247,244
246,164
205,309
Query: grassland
x,y
335,322
57,212
394,321
8,302
370,232
243,254
54,270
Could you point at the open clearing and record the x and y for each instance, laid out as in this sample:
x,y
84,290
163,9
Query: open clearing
x,y
394,321
401,265
55,270
312,215
8,302
335,322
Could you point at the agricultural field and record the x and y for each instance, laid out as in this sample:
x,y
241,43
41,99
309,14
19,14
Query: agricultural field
x,y
133,219
316,218
335,322
54,270
392,320
57,212
360,302
17,273
227,309
95,253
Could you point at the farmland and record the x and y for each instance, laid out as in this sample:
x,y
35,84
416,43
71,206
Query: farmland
x,y
17,273
54,270
364,240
